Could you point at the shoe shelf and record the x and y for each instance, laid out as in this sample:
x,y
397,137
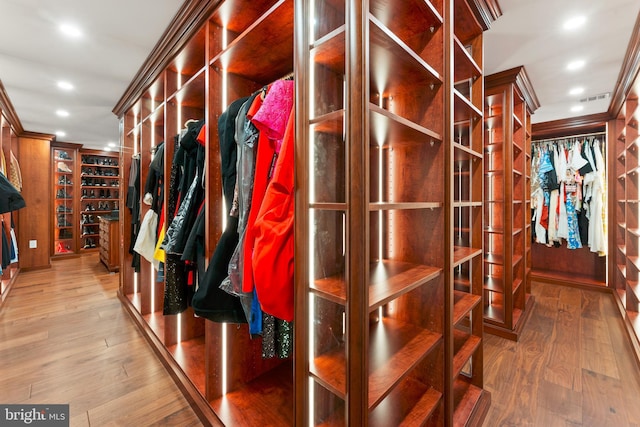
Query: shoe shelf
x,y
86,183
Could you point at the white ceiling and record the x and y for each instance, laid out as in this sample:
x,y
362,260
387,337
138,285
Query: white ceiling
x,y
119,34
530,33
35,55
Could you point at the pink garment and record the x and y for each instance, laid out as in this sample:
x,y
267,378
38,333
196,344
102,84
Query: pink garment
x,y
273,116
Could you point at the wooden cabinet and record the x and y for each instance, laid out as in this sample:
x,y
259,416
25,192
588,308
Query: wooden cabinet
x,y
109,242
98,193
65,210
86,184
388,216
624,233
9,147
509,103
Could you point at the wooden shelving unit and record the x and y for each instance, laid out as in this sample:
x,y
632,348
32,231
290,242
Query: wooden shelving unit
x,y
8,145
509,103
65,209
624,235
99,193
393,139
465,166
86,184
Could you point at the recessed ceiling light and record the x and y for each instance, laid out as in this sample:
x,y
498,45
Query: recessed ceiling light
x,y
575,22
65,85
575,65
70,30
61,133
62,113
112,144
577,108
576,90
107,149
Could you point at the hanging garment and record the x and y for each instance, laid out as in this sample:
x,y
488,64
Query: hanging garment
x,y
597,233
273,249
10,198
246,142
573,241
552,229
538,203
15,176
209,301
271,120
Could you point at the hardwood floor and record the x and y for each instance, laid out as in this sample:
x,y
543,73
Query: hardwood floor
x,y
65,338
573,365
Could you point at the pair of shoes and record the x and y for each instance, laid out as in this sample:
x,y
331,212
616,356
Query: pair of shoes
x,y
62,194
89,243
63,248
63,155
63,167
63,208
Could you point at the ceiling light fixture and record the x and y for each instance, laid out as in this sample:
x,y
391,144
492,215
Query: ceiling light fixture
x,y
576,90
107,149
65,85
61,133
575,65
112,144
577,108
62,113
574,23
70,31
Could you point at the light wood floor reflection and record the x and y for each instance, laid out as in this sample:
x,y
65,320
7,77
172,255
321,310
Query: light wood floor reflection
x,y
573,365
64,338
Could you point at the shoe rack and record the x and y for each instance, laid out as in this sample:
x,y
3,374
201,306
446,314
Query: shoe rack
x,y
86,184
99,194
64,206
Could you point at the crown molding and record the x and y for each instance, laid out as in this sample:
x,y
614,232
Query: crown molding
x,y
628,72
572,125
486,12
9,112
519,77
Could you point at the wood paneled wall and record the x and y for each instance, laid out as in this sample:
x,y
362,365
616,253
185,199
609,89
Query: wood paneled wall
x,y
35,164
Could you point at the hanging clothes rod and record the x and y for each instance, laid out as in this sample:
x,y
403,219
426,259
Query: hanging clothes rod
x,y
560,138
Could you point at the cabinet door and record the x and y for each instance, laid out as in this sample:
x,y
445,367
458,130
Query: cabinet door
x,y
64,214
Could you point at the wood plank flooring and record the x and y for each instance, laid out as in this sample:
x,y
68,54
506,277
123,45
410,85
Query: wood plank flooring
x,y
573,365
65,338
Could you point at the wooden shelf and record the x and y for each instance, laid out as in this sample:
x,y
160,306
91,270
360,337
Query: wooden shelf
x,y
408,19
387,281
400,130
471,154
464,346
268,397
252,54
464,109
494,284
332,123
467,399
329,52
463,303
465,66
467,204
390,342
384,206
463,254
410,403
403,66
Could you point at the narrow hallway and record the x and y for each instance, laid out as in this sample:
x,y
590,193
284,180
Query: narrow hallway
x,y
65,338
